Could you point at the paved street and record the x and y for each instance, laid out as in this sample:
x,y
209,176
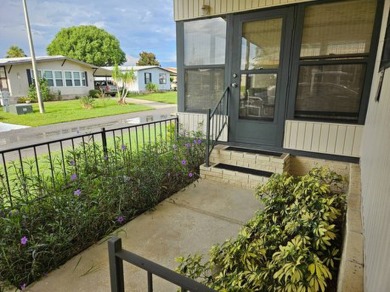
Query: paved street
x,y
12,136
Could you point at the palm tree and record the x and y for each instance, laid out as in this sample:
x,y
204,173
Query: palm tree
x,y
15,52
125,79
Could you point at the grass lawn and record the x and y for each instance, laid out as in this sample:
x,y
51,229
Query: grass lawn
x,y
70,110
165,97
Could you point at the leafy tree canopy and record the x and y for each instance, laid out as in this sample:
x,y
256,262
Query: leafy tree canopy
x,y
146,58
15,52
89,44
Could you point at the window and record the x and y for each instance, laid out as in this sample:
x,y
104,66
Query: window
x,y
162,78
336,42
48,76
58,78
204,88
3,79
68,78
148,78
204,63
76,79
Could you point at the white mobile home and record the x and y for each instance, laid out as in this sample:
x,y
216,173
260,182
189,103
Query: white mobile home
x,y
66,76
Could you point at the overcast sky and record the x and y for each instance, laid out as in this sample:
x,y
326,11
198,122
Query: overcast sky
x,y
146,25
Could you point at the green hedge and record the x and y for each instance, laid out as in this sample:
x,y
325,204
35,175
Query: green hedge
x,y
54,224
292,245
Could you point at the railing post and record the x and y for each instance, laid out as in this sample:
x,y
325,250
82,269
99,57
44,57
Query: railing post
x,y
104,142
208,138
116,265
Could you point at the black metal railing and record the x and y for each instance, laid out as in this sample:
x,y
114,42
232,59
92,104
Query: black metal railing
x,y
51,158
217,119
117,255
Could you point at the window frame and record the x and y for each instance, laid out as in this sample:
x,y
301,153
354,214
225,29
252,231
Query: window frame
x,y
147,77
181,67
296,62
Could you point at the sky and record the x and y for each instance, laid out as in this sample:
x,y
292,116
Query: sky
x,y
146,25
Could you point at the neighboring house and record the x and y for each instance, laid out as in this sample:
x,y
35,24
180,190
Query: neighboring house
x,y
144,75
66,76
306,78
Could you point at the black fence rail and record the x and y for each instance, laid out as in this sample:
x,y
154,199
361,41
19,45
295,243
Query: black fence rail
x,y
52,158
116,257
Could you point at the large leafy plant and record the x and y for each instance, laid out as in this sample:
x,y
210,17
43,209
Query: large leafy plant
x,y
291,245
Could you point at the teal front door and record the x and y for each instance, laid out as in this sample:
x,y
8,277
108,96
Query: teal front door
x,y
258,80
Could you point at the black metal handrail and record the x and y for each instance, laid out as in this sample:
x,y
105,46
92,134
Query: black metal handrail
x,y
217,119
117,255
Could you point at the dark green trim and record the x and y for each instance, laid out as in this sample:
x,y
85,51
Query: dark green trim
x,y
369,61
180,65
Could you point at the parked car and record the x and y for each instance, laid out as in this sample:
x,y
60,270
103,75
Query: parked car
x,y
107,87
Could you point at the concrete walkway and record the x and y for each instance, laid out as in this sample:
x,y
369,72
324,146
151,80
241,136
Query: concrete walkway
x,y
12,136
190,221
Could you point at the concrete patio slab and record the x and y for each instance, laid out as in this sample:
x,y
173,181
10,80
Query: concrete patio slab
x,y
190,221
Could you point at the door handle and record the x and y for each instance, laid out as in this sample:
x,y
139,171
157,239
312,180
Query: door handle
x,y
234,85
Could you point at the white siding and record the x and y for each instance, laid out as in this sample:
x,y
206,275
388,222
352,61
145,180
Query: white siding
x,y
190,9
155,79
375,167
327,138
193,122
18,82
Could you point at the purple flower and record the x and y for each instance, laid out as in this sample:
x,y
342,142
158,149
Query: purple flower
x,y
124,147
24,240
199,141
73,177
120,219
188,145
77,192
72,163
183,162
23,286
190,174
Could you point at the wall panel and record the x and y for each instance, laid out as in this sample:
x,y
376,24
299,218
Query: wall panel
x,y
190,9
327,138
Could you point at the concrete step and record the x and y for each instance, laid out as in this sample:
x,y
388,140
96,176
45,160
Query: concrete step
x,y
245,168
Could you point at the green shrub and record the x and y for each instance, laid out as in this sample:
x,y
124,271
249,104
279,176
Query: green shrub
x,y
94,93
80,199
151,87
45,91
87,102
292,245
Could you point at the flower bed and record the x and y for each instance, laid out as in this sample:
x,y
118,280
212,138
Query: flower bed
x,y
52,224
292,245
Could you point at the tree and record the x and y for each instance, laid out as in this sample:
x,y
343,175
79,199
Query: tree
x,y
15,52
122,79
146,58
89,44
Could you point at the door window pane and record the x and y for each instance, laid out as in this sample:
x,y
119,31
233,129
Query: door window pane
x,y
338,28
204,88
261,44
257,96
330,91
205,41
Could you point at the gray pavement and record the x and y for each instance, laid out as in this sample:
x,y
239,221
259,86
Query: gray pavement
x,y
12,136
190,221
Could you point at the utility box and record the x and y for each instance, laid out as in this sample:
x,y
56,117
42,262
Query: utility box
x,y
4,100
20,109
